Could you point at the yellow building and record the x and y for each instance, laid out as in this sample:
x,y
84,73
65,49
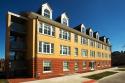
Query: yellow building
x,y
38,46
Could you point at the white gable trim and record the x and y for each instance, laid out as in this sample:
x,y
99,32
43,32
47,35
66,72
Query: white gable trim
x,y
83,27
63,15
46,6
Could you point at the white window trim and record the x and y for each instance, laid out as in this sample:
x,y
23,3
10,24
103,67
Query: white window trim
x,y
85,63
64,16
43,67
62,46
63,66
45,6
68,34
75,52
84,51
41,25
42,48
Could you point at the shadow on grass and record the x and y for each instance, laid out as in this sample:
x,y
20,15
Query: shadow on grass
x,y
100,75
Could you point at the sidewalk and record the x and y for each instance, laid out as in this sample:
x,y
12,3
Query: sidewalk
x,y
75,78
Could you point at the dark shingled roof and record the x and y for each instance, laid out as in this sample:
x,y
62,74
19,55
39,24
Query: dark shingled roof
x,y
107,40
87,31
94,34
78,27
101,38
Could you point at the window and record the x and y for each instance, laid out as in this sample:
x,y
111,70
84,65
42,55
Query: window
x,y
92,53
12,55
47,13
102,46
102,55
97,35
47,29
84,40
76,66
92,43
45,47
65,66
46,66
98,45
64,50
91,33
84,53
105,47
64,34
65,21
84,64
83,30
76,52
99,54
75,37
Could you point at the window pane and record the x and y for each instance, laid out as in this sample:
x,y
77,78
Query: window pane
x,y
46,66
40,46
46,47
47,13
65,65
76,66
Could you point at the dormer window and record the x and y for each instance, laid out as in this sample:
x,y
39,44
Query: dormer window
x,y
91,33
107,41
97,35
64,19
47,13
104,39
83,29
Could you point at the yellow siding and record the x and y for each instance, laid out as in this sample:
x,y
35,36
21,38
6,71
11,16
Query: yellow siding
x,y
57,42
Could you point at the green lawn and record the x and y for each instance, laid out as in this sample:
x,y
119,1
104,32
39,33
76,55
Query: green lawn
x,y
100,75
120,69
3,81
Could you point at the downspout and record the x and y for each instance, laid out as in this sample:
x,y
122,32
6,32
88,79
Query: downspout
x,y
35,62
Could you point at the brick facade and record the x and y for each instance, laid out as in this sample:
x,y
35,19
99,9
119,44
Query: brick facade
x,y
57,67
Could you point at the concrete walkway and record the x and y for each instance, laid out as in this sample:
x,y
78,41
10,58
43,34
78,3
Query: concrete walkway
x,y
75,78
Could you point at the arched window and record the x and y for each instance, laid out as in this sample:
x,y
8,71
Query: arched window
x,y
47,13
65,21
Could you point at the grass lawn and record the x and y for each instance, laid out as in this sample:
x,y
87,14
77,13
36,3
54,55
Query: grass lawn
x,y
121,66
3,81
100,75
120,69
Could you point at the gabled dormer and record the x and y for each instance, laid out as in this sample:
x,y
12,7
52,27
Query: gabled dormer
x,y
81,28
96,35
46,10
103,38
63,19
107,41
89,31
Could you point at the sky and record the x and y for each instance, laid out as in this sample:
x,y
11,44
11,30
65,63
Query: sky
x,y
105,16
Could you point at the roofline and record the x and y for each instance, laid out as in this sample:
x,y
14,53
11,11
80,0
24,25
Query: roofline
x,y
17,15
57,24
48,5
